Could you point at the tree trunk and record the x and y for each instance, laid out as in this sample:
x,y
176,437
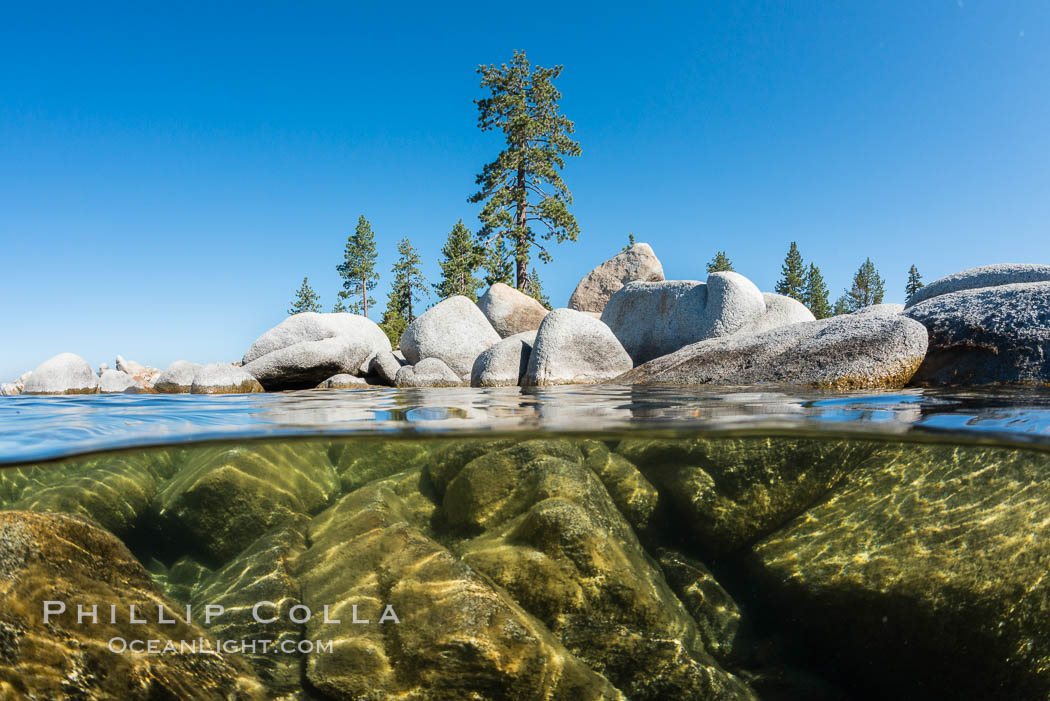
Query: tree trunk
x,y
364,299
521,260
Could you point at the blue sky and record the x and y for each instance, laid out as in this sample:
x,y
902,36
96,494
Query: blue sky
x,y
169,175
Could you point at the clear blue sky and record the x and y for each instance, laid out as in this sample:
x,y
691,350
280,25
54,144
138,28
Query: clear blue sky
x,y
169,175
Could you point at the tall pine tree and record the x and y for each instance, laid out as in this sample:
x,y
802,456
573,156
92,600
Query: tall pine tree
x,y
792,275
306,300
523,186
408,286
816,296
720,263
868,288
914,283
459,261
358,270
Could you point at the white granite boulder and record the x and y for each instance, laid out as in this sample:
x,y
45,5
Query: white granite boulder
x,y
384,367
344,381
118,382
510,311
224,378
637,264
313,326
177,378
454,331
504,364
572,347
303,365
652,319
66,373
428,372
987,335
781,310
983,276
843,352
885,308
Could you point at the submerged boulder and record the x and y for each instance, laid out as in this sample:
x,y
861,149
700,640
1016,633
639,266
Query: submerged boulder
x,y
504,364
843,352
636,264
454,331
177,378
428,372
303,365
223,378
983,276
509,311
987,335
314,326
574,348
66,373
66,559
652,319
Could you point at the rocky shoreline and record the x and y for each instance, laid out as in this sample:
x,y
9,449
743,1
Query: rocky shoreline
x,y
626,324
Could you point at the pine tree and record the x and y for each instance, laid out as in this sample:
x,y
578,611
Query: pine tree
x,y
792,275
358,269
535,289
393,325
720,263
409,285
338,307
868,287
841,306
459,261
306,300
630,242
914,283
498,264
522,185
816,295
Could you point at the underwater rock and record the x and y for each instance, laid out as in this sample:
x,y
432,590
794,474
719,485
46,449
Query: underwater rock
x,y
555,541
358,462
261,573
454,331
344,381
455,636
177,378
114,491
428,372
61,558
717,616
313,326
504,364
116,382
983,276
509,311
223,378
781,310
987,335
447,459
925,569
224,498
65,373
727,492
304,365
574,348
633,494
852,351
637,264
652,319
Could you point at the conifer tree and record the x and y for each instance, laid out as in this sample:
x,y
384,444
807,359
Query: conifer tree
x,y
720,263
914,283
535,289
358,269
409,285
792,275
868,287
630,242
498,264
459,261
522,187
816,296
306,300
841,306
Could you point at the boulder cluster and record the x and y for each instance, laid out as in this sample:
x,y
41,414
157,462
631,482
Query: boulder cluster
x,y
626,324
